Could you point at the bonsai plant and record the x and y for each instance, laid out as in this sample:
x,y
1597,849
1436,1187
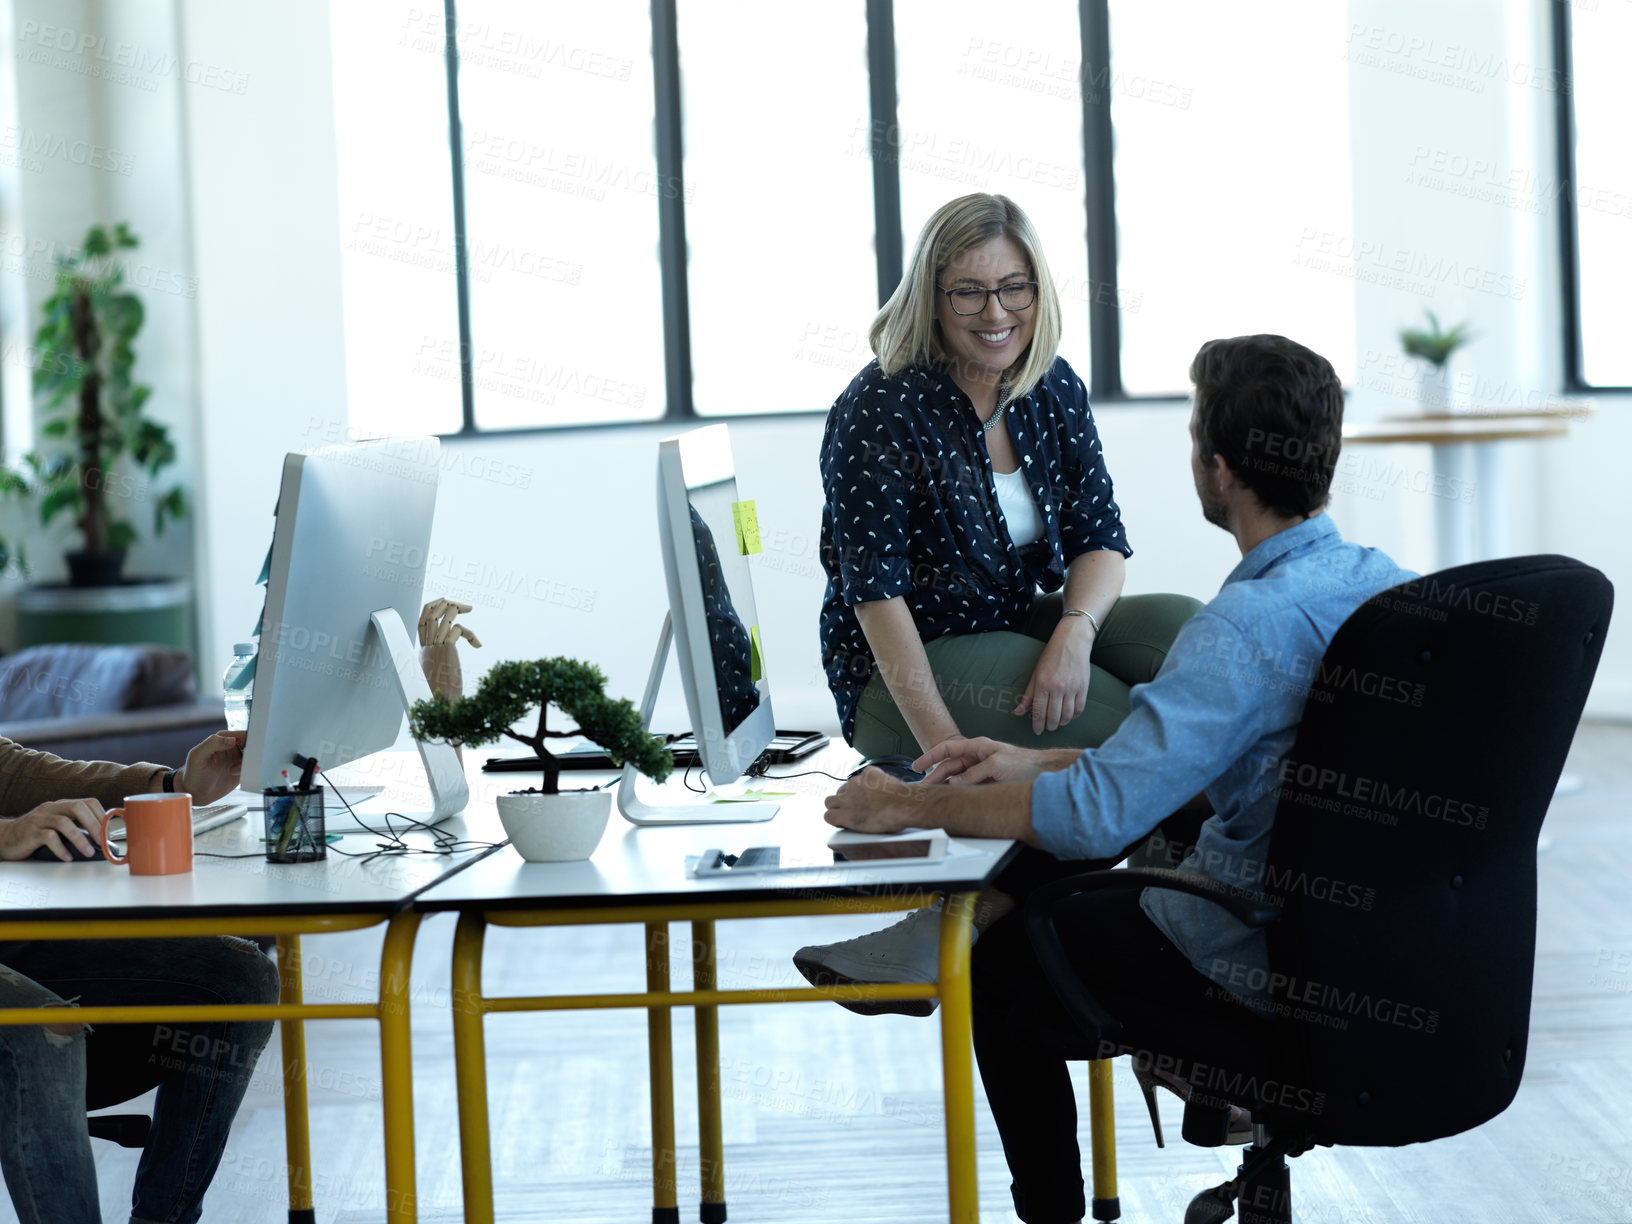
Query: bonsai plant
x,y
92,409
574,821
1435,347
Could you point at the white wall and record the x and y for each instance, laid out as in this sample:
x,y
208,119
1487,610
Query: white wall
x,y
261,191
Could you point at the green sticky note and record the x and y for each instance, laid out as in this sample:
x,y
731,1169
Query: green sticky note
x,y
746,518
756,664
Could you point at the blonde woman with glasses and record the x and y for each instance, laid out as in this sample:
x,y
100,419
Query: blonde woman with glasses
x,y
973,546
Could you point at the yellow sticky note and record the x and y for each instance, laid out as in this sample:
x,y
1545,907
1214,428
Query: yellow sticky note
x,y
746,518
756,664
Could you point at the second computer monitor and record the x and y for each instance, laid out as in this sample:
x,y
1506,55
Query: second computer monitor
x,y
707,536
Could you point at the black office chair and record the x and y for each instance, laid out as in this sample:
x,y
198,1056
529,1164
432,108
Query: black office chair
x,y
1445,793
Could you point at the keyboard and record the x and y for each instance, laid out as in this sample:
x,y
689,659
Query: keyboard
x,y
210,816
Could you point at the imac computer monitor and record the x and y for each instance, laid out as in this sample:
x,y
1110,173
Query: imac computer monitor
x,y
336,667
707,535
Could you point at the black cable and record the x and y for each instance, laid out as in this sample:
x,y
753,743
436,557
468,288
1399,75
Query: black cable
x,y
443,842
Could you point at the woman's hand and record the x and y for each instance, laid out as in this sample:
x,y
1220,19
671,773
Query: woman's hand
x,y
55,824
1058,691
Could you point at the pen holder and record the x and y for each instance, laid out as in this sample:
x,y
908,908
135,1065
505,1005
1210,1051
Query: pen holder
x,y
294,825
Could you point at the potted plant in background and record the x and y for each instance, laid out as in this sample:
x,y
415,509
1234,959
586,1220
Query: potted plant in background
x,y
1435,347
546,825
98,459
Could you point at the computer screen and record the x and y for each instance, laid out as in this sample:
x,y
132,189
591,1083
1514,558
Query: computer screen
x,y
352,536
708,535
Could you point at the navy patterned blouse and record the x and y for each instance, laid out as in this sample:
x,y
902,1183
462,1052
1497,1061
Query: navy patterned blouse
x,y
912,510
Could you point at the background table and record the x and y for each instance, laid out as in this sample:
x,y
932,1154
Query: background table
x,y
639,875
1466,453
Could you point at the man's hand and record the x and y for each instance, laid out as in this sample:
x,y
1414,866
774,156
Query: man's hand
x,y
56,825
212,767
1058,690
437,625
874,802
965,762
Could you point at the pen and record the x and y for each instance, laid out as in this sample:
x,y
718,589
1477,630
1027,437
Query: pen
x,y
286,833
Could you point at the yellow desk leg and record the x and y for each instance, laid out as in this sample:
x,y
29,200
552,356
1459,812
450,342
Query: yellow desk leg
x,y
710,1133
397,1068
660,1042
470,1068
962,1190
1102,1126
297,1132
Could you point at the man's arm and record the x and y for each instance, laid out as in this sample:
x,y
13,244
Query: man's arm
x,y
29,778
878,803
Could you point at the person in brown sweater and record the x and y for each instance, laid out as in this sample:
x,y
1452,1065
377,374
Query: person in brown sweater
x,y
49,1074
48,801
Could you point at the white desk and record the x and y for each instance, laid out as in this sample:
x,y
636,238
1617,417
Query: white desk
x,y
638,875
249,896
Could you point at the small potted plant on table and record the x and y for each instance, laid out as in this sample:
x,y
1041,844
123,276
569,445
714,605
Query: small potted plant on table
x,y
547,826
1435,347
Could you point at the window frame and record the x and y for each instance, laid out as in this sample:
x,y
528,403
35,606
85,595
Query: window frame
x,y
1569,237
1104,323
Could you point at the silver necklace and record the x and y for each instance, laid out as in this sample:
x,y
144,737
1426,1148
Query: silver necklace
x,y
1002,406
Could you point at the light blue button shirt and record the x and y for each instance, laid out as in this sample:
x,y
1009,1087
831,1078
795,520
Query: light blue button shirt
x,y
1220,716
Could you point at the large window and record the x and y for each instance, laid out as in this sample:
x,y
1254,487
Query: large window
x,y
994,106
683,209
1597,207
778,202
398,247
1221,179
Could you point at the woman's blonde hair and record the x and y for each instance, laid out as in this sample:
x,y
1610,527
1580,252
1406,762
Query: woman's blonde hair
x,y
905,332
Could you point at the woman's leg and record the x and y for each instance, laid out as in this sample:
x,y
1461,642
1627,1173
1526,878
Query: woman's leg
x,y
981,677
209,1064
45,1149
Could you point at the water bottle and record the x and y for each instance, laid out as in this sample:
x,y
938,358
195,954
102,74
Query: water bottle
x,y
236,686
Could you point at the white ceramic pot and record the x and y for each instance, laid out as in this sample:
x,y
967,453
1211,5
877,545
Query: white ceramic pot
x,y
1434,388
555,828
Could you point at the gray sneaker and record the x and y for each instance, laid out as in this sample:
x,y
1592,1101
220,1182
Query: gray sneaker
x,y
907,952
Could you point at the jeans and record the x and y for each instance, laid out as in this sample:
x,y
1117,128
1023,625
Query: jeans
x,y
201,1069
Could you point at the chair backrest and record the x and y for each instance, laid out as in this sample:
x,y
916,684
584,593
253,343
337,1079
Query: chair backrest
x,y
1405,842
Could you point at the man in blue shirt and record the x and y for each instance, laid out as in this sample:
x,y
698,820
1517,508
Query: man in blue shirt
x,y
1219,719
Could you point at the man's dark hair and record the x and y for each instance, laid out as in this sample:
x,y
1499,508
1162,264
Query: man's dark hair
x,y
1274,410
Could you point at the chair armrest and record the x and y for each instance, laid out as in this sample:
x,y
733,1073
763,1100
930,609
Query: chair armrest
x,y
1092,1019
1249,912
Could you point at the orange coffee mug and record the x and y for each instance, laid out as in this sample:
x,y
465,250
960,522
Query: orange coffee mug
x,y
158,834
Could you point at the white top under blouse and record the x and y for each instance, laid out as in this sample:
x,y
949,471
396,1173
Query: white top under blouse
x,y
1019,510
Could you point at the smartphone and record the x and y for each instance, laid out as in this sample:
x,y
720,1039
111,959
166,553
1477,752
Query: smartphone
x,y
907,848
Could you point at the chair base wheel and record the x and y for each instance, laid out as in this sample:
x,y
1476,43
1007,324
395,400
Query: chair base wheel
x,y
1211,1206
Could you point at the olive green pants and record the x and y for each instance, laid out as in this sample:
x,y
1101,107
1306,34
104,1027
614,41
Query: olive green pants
x,y
982,675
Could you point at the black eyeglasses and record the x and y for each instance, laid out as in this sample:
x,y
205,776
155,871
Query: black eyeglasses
x,y
1016,295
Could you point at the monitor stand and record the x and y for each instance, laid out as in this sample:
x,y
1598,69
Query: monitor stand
x,y
443,771
697,811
